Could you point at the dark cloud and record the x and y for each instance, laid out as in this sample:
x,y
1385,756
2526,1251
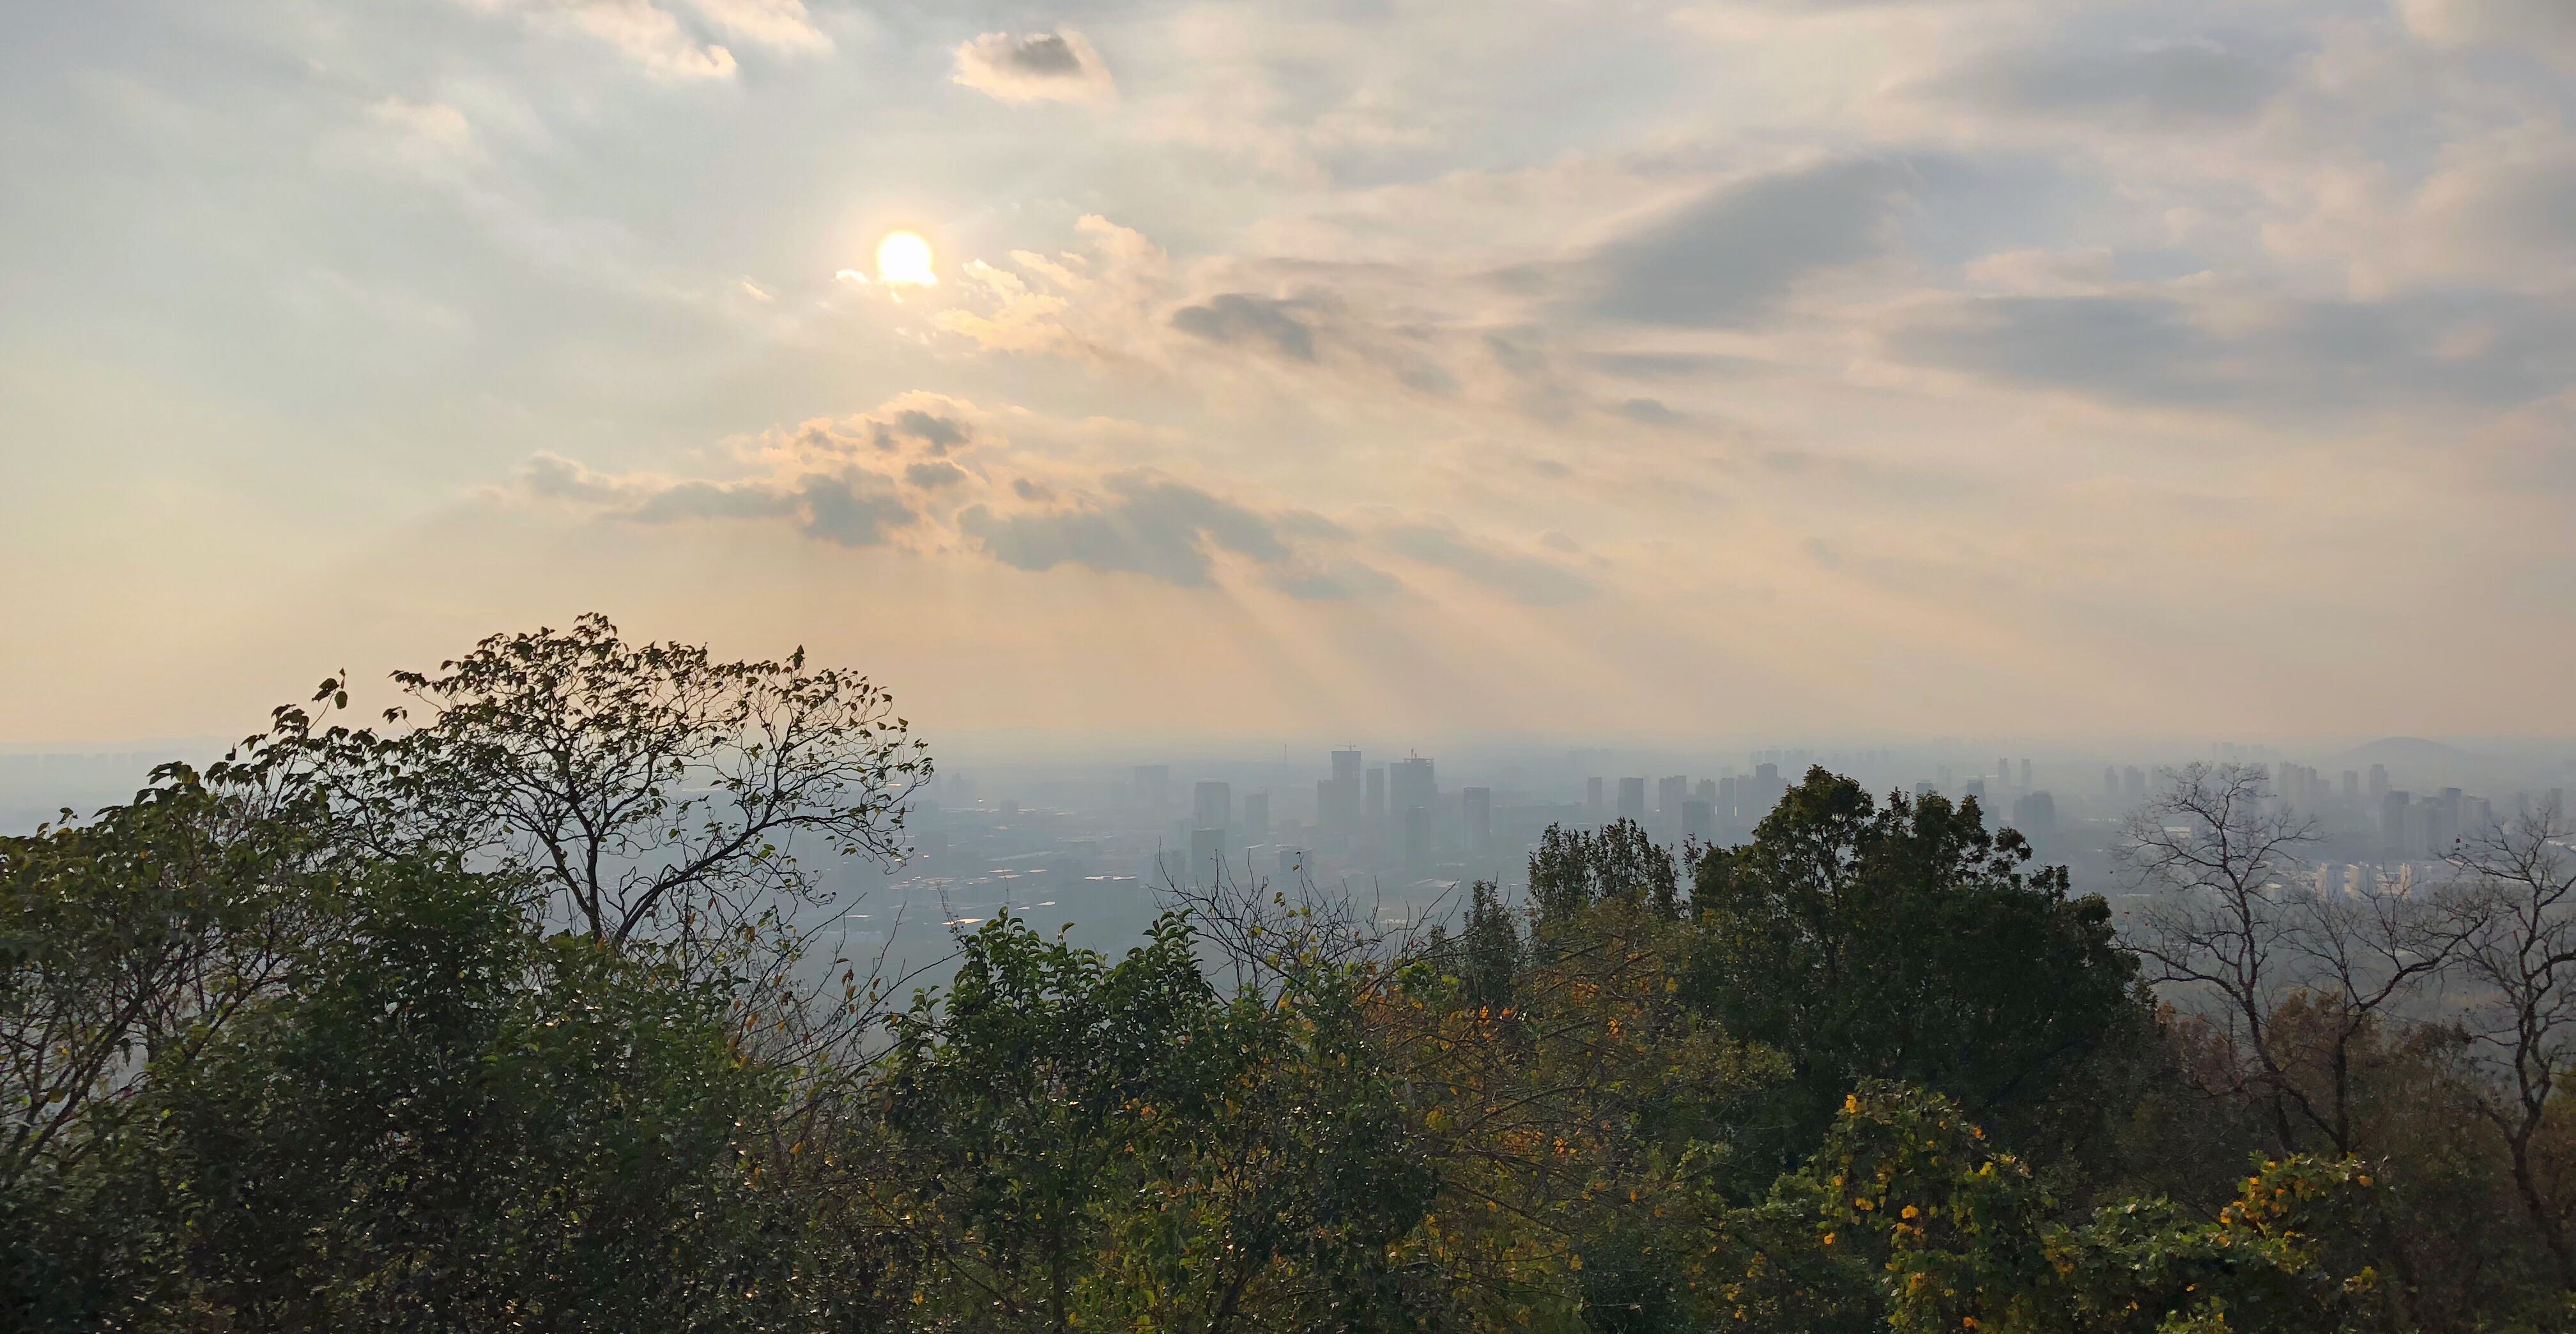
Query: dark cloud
x,y
1044,54
1527,579
2165,84
2308,355
1648,411
1028,490
931,474
836,509
1731,255
934,433
1152,526
1239,317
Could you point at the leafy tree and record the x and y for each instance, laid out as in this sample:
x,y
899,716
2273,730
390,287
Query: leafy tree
x,y
1076,1142
1965,1236
448,1122
1902,941
135,938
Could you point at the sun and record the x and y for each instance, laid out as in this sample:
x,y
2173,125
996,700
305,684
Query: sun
x,y
904,258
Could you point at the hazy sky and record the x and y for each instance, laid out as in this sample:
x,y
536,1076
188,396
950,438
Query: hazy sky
x,y
1735,369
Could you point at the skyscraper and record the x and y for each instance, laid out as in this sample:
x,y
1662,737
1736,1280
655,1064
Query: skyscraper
x,y
1699,820
1476,805
1207,857
1670,793
2025,775
1337,799
1632,799
1592,810
1376,798
1212,805
1410,785
1256,817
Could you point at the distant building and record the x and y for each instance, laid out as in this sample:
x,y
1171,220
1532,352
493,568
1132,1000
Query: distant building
x,y
1377,797
1670,793
1417,837
1212,805
1699,821
1632,799
1207,857
1256,817
1592,808
1153,785
1476,808
1409,784
2035,815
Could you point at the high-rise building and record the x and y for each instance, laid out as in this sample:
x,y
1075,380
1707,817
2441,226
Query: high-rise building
x,y
1632,799
2133,783
1207,856
1337,799
1699,820
1212,805
1670,793
2035,815
1476,807
1376,797
2110,783
2378,785
1256,817
1705,790
1409,784
2393,806
2025,775
1417,837
1153,785
1592,810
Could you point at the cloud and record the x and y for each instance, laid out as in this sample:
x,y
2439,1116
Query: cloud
x,y
780,25
656,39
1239,317
1526,579
852,508
1146,524
2156,86
1731,254
644,33
2185,348
428,139
1094,304
1037,67
2547,26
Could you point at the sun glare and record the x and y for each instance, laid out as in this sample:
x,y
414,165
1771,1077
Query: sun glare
x,y
905,258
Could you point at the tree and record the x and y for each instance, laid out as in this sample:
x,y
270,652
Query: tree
x,y
2516,924
1902,941
1571,869
1965,1236
444,1121
134,938
1077,1143
2233,923
647,786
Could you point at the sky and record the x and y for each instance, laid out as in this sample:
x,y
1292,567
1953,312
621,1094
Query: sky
x,y
1741,369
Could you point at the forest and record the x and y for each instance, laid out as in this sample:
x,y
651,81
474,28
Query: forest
x,y
494,1013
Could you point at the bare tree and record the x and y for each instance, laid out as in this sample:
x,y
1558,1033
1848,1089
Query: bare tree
x,y
2516,917
2233,923
649,786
